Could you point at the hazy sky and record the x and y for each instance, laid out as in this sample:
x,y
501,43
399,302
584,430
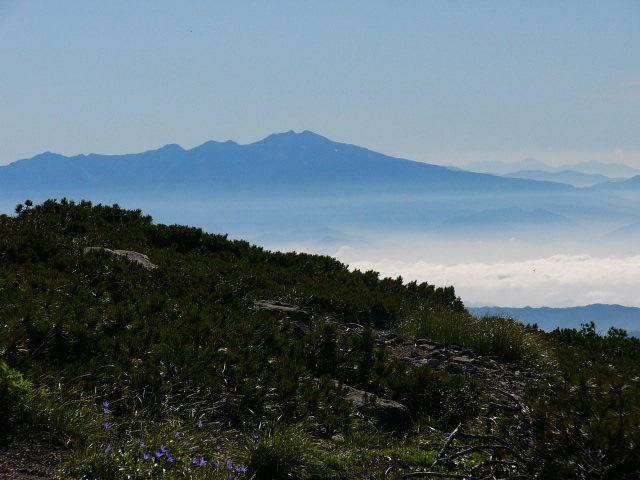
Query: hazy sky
x,y
438,81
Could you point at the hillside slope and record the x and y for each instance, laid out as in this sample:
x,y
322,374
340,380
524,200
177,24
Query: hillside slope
x,y
149,351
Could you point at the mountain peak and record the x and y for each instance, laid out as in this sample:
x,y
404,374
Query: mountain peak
x,y
48,156
172,147
291,137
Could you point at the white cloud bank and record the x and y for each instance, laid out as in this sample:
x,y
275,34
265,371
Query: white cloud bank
x,y
561,280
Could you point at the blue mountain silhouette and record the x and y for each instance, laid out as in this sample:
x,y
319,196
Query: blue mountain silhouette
x,y
287,160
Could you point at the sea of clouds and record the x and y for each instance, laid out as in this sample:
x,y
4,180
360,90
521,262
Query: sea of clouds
x,y
559,280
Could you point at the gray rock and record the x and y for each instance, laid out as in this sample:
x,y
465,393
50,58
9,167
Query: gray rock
x,y
461,360
454,368
300,318
478,362
137,257
392,339
433,362
389,413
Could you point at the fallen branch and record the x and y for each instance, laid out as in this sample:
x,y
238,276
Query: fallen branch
x,y
446,445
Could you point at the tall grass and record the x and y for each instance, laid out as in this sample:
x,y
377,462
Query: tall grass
x,y
289,452
69,413
503,337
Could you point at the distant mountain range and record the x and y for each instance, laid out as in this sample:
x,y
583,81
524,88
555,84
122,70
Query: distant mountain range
x,y
604,316
290,160
608,170
631,184
307,183
570,177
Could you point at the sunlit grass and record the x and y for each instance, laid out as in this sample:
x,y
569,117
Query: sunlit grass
x,y
503,337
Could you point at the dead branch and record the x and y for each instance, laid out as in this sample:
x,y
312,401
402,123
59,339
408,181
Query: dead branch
x,y
446,445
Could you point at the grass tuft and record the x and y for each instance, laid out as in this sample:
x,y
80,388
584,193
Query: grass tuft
x,y
287,452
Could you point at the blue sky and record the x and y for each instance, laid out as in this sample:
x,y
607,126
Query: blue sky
x,y
437,81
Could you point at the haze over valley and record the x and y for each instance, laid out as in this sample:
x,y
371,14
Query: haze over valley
x,y
500,241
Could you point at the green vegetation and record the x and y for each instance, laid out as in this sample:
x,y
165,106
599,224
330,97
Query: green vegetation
x,y
170,372
490,335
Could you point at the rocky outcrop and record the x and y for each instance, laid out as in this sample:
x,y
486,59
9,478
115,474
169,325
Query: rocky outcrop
x,y
492,371
137,257
505,382
390,414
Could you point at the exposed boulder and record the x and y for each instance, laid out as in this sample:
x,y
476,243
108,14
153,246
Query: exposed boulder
x,y
300,318
389,413
137,257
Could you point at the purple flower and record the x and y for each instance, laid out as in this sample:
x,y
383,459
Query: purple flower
x,y
170,458
187,443
109,448
107,425
256,437
159,453
241,469
163,448
200,424
142,443
229,464
211,436
146,457
199,462
105,407
178,434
